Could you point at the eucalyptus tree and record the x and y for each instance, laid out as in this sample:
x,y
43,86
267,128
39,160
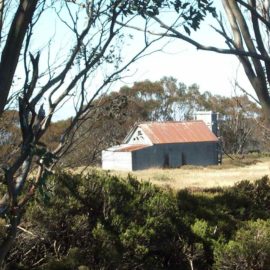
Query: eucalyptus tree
x,y
244,25
63,52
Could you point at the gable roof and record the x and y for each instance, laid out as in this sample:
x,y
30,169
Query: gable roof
x,y
176,132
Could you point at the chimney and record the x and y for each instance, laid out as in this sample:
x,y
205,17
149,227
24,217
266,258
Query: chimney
x,y
211,120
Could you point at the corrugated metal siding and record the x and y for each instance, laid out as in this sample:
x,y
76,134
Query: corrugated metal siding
x,y
178,132
175,155
159,155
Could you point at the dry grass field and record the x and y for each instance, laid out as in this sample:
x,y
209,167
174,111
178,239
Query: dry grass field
x,y
193,177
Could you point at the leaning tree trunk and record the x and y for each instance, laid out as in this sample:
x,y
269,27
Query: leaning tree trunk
x,y
13,46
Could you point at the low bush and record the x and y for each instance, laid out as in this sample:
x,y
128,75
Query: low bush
x,y
250,248
99,221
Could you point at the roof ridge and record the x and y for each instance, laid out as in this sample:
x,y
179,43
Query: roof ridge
x,y
165,122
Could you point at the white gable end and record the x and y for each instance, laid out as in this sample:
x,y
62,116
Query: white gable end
x,y
138,137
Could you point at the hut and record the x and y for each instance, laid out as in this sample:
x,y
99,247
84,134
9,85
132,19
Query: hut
x,y
164,144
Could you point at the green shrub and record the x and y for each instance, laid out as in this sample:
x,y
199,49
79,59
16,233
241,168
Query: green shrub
x,y
247,200
250,249
114,223
99,221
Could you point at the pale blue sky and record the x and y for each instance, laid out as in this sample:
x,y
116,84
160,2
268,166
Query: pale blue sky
x,y
212,72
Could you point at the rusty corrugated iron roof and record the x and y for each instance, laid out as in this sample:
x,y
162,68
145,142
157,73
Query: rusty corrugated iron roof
x,y
178,132
130,148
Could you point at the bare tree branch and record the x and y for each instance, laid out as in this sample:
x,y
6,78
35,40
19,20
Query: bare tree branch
x,y
199,46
